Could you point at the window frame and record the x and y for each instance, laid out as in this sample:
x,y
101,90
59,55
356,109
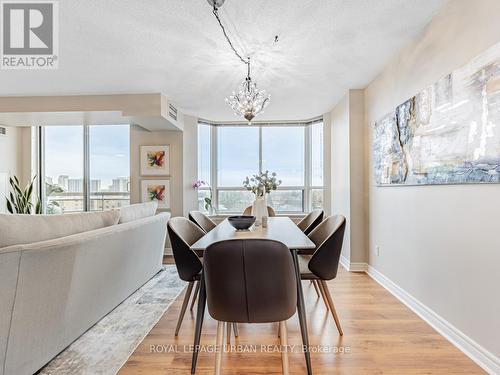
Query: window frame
x,y
306,189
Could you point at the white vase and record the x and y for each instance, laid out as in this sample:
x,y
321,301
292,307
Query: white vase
x,y
259,210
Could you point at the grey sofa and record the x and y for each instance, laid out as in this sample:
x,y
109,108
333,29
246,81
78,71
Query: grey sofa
x,y
54,290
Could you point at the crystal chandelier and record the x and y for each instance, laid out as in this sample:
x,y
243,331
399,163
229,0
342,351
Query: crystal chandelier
x,y
248,102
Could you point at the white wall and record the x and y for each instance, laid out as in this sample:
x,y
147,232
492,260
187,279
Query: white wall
x,y
347,171
10,156
190,163
440,243
142,137
340,181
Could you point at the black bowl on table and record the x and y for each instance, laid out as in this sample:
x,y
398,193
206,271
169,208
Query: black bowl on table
x,y
241,222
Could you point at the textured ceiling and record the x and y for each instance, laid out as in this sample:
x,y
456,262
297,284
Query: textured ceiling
x,y
176,47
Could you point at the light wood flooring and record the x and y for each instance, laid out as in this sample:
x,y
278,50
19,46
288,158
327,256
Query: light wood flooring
x,y
381,336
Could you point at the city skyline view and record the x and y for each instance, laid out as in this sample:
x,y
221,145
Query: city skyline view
x,y
109,152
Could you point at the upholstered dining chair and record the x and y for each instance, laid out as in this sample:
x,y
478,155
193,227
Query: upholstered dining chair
x,y
250,281
310,221
270,211
183,234
202,220
323,265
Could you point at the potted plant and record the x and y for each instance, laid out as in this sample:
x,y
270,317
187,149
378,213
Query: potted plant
x,y
207,201
20,200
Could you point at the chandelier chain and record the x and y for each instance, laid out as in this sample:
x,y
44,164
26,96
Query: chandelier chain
x,y
246,62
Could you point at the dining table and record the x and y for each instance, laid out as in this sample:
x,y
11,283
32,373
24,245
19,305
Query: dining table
x,y
281,229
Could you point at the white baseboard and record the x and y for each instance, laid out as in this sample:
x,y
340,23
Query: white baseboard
x,y
344,262
352,267
168,251
489,362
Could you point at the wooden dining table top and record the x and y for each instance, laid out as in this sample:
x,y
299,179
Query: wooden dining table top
x,y
281,229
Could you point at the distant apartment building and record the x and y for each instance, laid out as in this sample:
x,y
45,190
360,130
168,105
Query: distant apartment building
x,y
95,185
62,181
75,185
119,184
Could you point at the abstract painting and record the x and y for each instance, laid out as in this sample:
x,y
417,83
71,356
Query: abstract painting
x,y
156,190
448,133
155,160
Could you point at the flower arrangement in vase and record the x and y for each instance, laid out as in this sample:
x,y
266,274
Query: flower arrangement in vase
x,y
207,201
261,184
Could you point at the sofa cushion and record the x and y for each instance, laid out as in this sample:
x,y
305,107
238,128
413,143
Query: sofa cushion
x,y
137,211
25,229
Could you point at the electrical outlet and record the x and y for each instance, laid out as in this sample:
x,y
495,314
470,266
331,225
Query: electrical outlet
x,y
377,250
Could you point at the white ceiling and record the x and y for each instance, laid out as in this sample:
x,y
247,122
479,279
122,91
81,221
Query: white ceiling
x,y
176,47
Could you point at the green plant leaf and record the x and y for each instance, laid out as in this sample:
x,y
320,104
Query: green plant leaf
x,y
38,207
9,207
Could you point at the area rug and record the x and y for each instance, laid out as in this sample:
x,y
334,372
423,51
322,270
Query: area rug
x,y
105,347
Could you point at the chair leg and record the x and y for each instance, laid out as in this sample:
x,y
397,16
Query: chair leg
x,y
323,294
332,307
284,347
195,295
228,333
218,347
200,314
184,306
235,329
315,287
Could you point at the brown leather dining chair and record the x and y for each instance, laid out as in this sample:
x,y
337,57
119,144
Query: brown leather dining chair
x,y
323,265
202,220
306,225
311,221
183,234
250,281
270,211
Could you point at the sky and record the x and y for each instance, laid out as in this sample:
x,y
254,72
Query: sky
x,y
282,152
109,152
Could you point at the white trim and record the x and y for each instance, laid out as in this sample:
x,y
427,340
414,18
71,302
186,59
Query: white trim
x,y
353,267
488,361
357,267
344,262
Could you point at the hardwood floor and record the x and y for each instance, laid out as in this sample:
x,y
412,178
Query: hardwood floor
x,y
381,336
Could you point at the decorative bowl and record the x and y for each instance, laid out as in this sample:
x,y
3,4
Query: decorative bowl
x,y
241,222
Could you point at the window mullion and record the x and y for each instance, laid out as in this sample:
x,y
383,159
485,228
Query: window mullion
x,y
260,149
307,168
40,131
213,167
86,167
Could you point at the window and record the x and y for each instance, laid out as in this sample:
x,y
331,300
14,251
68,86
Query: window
x,y
109,166
63,169
85,175
229,153
316,166
204,153
283,153
237,154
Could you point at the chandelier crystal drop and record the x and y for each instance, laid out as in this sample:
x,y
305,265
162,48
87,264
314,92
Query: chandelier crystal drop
x,y
248,102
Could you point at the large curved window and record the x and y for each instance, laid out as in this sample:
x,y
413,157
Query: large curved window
x,y
227,154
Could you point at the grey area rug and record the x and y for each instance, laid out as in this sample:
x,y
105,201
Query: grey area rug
x,y
105,347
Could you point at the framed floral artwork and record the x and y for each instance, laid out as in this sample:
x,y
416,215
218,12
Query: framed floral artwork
x,y
155,160
156,190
